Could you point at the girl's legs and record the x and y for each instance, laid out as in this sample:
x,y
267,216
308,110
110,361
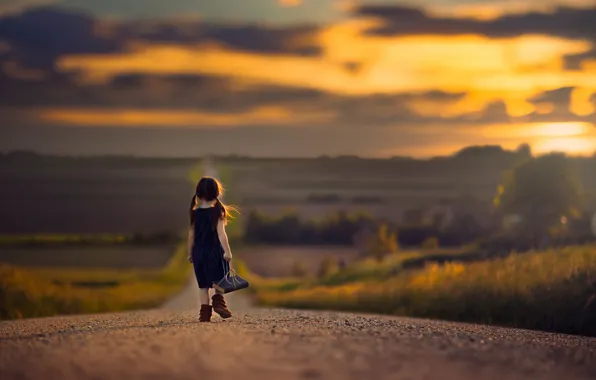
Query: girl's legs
x,y
204,296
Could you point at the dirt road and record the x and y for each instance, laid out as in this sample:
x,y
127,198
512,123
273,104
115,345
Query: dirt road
x,y
281,344
263,344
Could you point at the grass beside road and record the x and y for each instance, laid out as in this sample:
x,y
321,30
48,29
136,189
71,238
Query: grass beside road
x,y
26,293
551,291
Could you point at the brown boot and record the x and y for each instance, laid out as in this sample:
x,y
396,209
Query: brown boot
x,y
219,306
205,313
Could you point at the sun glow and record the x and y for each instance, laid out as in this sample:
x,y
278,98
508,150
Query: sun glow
x,y
572,145
560,129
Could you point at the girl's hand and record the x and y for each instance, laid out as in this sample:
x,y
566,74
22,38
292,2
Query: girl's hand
x,y
227,257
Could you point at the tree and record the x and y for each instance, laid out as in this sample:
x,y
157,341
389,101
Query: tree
x,y
524,150
382,243
541,191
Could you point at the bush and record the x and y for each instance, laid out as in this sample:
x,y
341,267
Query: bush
x,y
430,243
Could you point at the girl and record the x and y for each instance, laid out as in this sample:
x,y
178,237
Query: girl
x,y
208,247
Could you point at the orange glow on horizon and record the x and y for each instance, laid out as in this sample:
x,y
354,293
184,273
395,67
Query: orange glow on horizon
x,y
555,129
267,116
574,138
569,145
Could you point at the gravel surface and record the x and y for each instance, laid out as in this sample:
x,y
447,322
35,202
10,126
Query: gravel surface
x,y
283,344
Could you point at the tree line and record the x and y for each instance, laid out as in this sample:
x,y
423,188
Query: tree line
x,y
541,195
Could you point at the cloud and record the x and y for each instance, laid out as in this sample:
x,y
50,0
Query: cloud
x,y
421,85
40,36
562,104
75,33
16,6
290,40
575,61
563,22
566,22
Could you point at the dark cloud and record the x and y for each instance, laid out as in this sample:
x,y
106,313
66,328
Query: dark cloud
x,y
38,37
574,61
293,40
559,98
560,102
289,40
563,22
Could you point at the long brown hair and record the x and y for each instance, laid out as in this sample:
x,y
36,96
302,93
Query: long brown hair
x,y
210,189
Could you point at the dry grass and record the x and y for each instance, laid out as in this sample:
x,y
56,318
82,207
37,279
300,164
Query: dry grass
x,y
41,292
552,291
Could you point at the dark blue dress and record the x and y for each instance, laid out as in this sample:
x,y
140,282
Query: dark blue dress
x,y
207,252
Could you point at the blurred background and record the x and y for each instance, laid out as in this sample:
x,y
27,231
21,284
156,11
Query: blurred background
x,y
431,158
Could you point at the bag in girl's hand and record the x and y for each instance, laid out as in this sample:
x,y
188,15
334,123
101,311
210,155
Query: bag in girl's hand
x,y
230,283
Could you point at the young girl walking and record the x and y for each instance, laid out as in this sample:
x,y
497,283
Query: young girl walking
x,y
208,246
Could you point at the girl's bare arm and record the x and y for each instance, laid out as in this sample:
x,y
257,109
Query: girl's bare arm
x,y
223,239
190,242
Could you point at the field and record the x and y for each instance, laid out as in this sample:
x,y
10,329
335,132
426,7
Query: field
x,y
87,235
116,257
55,195
383,188
279,261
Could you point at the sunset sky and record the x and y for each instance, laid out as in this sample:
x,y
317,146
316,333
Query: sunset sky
x,y
296,77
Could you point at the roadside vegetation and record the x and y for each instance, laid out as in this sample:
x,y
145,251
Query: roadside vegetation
x,y
537,272
553,290
26,292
